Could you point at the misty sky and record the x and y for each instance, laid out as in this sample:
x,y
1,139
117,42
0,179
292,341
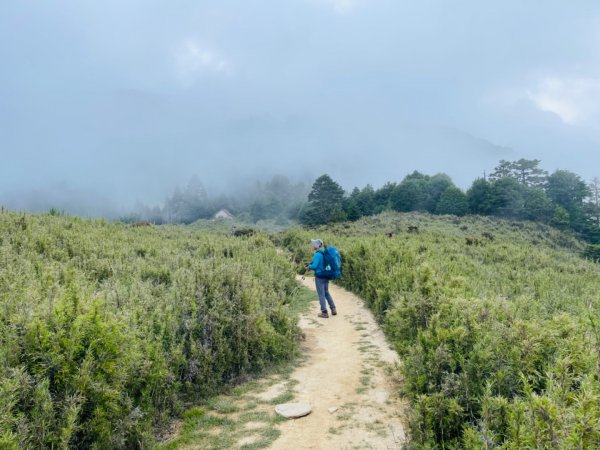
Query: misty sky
x,y
120,100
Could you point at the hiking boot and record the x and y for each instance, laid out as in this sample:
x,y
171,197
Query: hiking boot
x,y
324,315
334,312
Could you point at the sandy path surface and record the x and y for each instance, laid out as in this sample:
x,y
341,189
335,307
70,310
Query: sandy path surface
x,y
349,366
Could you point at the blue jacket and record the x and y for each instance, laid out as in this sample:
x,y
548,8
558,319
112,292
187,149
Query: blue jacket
x,y
317,263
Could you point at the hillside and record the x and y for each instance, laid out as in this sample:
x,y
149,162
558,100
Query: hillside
x,y
495,321
441,226
107,331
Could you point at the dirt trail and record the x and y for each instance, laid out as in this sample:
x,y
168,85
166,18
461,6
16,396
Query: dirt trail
x,y
348,366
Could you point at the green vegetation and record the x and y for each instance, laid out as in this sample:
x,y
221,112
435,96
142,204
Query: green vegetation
x,y
324,202
496,322
108,331
518,190
242,417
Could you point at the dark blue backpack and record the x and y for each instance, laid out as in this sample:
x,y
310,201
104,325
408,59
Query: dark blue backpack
x,y
332,264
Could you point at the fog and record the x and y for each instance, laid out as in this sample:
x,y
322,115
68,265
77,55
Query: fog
x,y
106,104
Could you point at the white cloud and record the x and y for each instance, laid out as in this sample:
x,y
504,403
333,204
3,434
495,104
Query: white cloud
x,y
340,6
193,60
574,100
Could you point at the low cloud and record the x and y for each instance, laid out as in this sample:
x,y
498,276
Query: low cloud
x,y
63,198
574,100
193,60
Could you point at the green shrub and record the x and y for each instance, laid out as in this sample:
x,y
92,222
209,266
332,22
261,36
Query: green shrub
x,y
592,252
107,330
499,341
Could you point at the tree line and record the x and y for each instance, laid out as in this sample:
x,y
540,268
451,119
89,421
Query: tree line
x,y
515,189
519,190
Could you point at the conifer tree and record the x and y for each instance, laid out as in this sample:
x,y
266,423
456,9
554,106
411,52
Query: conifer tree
x,y
453,201
325,198
593,203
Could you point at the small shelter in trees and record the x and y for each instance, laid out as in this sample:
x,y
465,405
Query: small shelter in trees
x,y
223,214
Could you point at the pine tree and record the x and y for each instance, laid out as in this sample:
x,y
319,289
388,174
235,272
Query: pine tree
x,y
593,203
528,173
479,197
525,171
325,198
502,170
453,201
568,190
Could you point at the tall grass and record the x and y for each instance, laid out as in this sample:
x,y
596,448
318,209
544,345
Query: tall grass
x,y
106,330
496,322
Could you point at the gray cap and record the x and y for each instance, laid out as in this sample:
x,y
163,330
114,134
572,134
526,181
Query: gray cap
x,y
316,243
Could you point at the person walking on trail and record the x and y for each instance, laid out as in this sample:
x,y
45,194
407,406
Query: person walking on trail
x,y
322,284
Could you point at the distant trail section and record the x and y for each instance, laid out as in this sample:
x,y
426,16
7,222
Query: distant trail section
x,y
350,379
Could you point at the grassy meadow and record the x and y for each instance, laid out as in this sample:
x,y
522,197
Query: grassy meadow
x,y
107,331
497,323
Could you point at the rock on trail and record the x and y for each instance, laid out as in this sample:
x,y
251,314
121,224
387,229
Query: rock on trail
x,y
293,410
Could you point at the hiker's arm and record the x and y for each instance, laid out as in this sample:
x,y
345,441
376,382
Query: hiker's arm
x,y
315,262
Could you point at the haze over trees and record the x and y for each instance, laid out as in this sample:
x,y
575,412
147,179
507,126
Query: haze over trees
x,y
277,199
519,190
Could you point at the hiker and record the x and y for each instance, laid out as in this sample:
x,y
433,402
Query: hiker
x,y
321,283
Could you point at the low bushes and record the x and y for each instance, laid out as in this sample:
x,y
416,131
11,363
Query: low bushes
x,y
500,341
107,330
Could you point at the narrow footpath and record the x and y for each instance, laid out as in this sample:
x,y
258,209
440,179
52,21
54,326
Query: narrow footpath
x,y
347,373
350,379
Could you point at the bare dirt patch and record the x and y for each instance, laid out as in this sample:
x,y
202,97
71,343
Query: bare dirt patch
x,y
248,440
254,425
272,392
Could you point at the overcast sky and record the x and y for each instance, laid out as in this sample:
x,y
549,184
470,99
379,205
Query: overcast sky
x,y
120,100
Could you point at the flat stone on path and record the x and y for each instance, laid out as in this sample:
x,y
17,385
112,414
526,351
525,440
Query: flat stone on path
x,y
293,410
